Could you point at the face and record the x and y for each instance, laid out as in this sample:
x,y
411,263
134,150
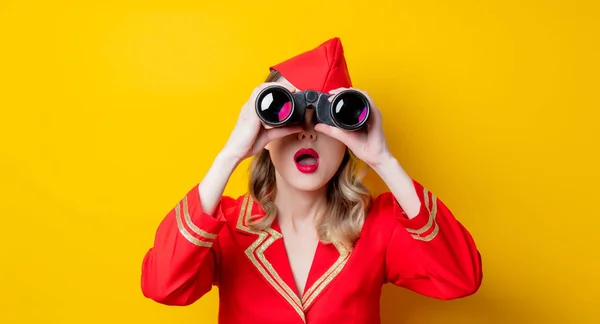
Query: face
x,y
306,160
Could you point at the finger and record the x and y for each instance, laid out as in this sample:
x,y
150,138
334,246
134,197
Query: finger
x,y
330,131
376,117
268,135
280,132
258,142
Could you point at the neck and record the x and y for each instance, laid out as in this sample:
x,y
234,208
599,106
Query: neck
x,y
297,207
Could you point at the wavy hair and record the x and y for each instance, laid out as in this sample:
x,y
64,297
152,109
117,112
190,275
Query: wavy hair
x,y
348,199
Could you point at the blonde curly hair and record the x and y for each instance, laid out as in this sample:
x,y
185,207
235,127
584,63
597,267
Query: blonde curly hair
x,y
348,199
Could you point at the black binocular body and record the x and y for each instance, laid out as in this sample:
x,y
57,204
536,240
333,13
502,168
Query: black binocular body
x,y
277,106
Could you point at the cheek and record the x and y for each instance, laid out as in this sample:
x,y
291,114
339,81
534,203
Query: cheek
x,y
335,153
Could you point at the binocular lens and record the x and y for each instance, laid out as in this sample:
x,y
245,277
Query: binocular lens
x,y
277,106
349,110
274,106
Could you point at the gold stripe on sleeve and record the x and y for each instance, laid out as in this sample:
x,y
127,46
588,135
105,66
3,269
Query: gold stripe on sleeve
x,y
432,217
195,229
185,232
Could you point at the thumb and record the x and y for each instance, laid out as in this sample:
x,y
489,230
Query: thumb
x,y
350,139
268,135
280,132
331,131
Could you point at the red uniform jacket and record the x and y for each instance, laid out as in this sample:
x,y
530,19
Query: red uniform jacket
x,y
431,254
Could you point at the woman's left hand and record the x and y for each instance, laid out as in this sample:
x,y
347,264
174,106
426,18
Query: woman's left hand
x,y
368,144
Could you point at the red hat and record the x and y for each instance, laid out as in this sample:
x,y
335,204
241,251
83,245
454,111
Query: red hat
x,y
321,69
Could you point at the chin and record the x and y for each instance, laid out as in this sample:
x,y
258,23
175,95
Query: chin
x,y
307,183
304,181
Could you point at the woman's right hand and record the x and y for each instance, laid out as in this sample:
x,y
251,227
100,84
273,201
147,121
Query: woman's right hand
x,y
250,136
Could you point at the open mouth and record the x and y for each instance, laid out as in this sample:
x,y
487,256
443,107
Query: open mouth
x,y
306,157
307,160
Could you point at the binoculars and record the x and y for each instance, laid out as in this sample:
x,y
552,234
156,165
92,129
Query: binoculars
x,y
277,106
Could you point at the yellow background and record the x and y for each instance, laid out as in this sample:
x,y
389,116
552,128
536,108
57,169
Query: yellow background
x,y
111,111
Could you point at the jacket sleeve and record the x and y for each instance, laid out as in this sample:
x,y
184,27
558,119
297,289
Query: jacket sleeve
x,y
181,265
431,254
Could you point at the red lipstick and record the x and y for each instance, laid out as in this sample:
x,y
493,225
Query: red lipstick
x,y
307,160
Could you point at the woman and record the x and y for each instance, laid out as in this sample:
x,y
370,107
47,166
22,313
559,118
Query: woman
x,y
307,244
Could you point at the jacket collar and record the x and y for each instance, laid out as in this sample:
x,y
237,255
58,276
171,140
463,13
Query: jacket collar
x,y
266,251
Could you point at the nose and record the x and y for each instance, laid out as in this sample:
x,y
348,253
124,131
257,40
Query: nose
x,y
308,127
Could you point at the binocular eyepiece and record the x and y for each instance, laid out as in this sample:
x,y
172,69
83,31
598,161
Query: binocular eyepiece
x,y
277,106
